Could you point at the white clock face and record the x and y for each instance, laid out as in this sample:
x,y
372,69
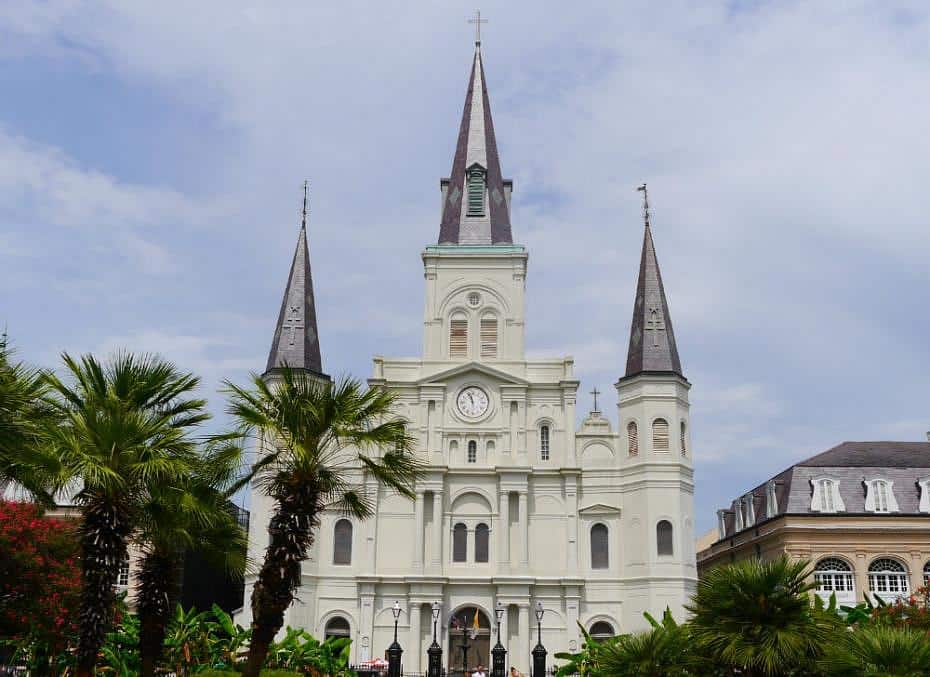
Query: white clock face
x,y
473,401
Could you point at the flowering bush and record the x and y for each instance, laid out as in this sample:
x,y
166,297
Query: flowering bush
x,y
39,581
910,612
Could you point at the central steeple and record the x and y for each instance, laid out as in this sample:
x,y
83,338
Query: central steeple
x,y
476,198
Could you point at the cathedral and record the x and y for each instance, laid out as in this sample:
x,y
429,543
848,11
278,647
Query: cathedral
x,y
520,508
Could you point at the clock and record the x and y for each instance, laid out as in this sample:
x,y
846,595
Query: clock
x,y
473,402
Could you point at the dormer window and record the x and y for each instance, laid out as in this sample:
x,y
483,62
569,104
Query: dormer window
x,y
749,505
879,496
826,495
476,185
924,484
771,499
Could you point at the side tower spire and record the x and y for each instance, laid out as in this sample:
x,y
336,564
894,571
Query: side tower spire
x,y
296,342
476,198
652,340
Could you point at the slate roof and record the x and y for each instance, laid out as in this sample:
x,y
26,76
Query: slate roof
x,y
652,339
296,341
851,464
476,145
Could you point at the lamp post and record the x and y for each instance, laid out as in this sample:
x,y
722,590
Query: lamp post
x,y
394,651
498,653
539,652
434,652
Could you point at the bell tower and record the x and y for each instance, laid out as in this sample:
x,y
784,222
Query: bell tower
x,y
655,444
475,275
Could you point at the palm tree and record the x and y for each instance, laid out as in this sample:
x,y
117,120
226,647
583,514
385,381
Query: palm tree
x,y
312,438
194,514
664,651
877,651
125,427
22,411
757,617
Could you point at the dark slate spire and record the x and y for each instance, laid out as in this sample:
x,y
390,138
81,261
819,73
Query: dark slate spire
x,y
476,153
652,341
296,342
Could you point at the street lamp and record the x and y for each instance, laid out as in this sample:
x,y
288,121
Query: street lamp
x,y
434,652
394,651
498,653
539,652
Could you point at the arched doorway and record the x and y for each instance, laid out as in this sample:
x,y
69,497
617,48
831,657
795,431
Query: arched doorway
x,y
469,640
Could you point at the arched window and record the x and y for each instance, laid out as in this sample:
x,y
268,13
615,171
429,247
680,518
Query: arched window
x,y
684,437
342,542
888,576
481,543
660,435
122,575
826,495
488,336
472,451
459,543
833,576
601,630
633,438
664,542
337,627
600,555
458,336
927,573
544,442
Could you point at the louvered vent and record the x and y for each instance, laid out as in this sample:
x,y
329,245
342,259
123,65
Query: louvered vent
x,y
660,435
633,436
475,193
684,446
458,338
489,337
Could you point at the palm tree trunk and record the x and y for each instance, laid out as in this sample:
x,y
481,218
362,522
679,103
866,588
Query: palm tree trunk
x,y
153,603
103,546
290,533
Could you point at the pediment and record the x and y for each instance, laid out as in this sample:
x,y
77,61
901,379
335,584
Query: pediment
x,y
599,509
472,368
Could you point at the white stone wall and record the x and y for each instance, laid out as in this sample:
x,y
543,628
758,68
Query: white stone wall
x,y
540,512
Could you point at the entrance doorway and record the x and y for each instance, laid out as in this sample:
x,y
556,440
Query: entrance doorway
x,y
469,641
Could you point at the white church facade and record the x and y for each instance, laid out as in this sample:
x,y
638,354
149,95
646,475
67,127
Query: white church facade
x,y
518,505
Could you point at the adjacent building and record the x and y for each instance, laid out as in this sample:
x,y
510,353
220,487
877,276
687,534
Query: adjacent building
x,y
859,511
518,505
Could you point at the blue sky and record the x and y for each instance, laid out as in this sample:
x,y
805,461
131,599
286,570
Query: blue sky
x,y
151,158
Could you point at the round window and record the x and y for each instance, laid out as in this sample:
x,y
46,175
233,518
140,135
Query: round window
x,y
474,299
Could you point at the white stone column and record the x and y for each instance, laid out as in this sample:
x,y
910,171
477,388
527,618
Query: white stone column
x,y
418,519
366,626
412,652
523,658
524,530
503,530
437,530
571,496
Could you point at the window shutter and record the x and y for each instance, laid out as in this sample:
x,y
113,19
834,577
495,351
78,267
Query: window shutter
x,y
633,438
475,193
684,447
660,435
481,543
458,338
489,337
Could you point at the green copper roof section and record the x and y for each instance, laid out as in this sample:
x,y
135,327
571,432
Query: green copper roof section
x,y
476,249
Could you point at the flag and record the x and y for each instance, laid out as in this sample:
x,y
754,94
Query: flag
x,y
474,626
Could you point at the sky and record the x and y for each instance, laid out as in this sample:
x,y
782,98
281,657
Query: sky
x,y
152,157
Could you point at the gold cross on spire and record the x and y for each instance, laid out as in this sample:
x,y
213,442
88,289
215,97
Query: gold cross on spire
x,y
477,21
